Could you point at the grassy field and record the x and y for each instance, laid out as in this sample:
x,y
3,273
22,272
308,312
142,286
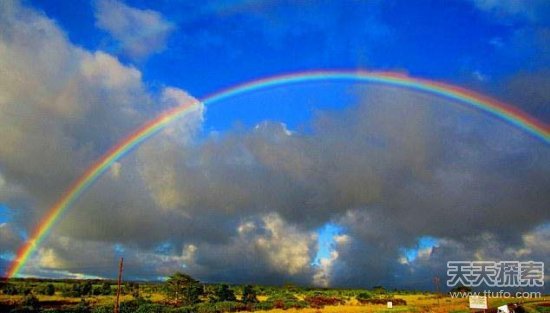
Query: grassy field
x,y
151,294
415,303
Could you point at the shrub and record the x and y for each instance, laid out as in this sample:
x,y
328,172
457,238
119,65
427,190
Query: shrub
x,y
103,309
9,289
249,294
152,308
82,307
50,290
319,301
31,302
206,308
106,289
223,293
461,288
395,301
129,306
22,310
263,306
364,296
286,301
231,306
183,309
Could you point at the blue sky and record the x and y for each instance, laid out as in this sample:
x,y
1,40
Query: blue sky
x,y
216,44
368,180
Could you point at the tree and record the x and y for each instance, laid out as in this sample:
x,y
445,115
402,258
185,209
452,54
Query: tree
x,y
224,293
364,296
184,288
106,289
50,290
82,307
30,303
9,289
86,288
249,294
461,288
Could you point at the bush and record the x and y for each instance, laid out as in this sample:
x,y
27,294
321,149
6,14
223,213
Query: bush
x,y
520,309
206,308
183,309
106,289
82,307
129,306
50,290
461,288
286,301
31,302
263,306
221,307
152,308
10,289
231,306
249,294
319,301
223,293
395,301
103,309
364,296
543,309
22,310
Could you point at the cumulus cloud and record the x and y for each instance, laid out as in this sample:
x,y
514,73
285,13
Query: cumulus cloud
x,y
61,107
287,249
531,91
324,271
397,166
244,206
140,32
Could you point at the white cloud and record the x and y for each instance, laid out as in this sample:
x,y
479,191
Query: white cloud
x,y
390,167
140,32
324,271
61,107
287,248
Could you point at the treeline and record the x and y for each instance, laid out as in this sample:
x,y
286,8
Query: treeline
x,y
12,289
74,289
184,294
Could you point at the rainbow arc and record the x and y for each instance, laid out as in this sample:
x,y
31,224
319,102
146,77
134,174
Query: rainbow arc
x,y
500,110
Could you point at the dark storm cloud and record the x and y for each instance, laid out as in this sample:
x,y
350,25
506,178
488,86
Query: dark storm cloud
x,y
243,206
531,91
396,166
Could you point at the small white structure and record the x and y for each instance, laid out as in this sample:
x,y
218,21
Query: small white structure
x,y
478,302
390,305
503,309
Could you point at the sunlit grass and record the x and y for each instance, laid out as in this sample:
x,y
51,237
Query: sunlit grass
x,y
415,303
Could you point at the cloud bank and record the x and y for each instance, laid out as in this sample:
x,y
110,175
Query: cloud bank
x,y
245,205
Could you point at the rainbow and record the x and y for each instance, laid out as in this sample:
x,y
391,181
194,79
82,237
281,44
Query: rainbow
x,y
498,109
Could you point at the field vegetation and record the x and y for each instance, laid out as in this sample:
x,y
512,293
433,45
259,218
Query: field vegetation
x,y
181,293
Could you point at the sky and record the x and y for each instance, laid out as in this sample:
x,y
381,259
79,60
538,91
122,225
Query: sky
x,y
319,183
